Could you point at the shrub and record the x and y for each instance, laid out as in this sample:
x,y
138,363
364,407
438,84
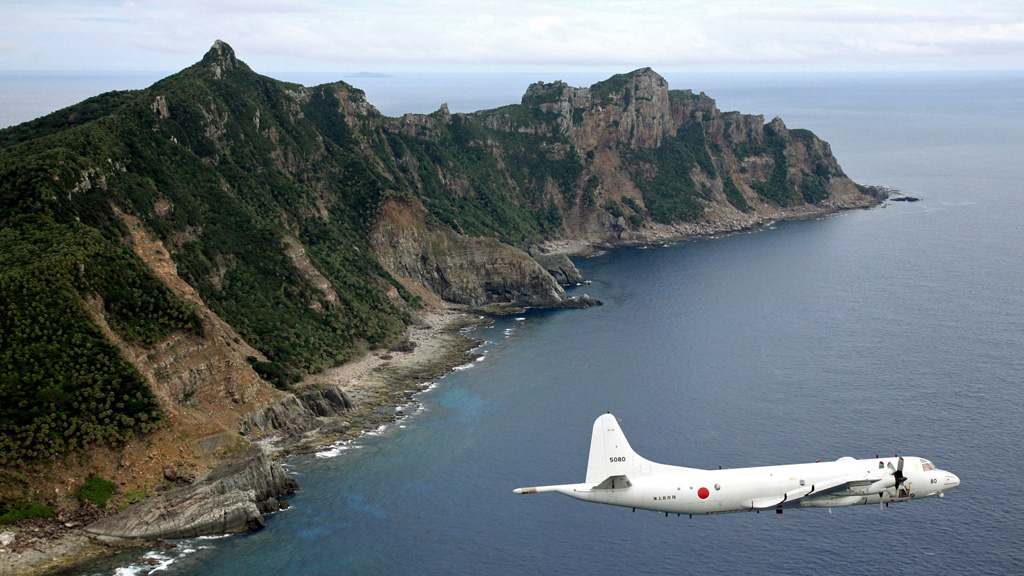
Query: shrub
x,y
96,490
11,513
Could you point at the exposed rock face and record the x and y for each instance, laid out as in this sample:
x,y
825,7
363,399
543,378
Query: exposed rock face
x,y
637,113
560,267
220,58
610,120
585,301
193,376
471,271
294,417
232,498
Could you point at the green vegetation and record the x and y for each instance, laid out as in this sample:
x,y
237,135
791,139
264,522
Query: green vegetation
x,y
277,374
802,134
604,91
612,207
96,490
813,187
56,401
682,95
632,205
778,189
588,198
549,95
485,182
134,495
258,188
734,196
234,189
15,512
671,195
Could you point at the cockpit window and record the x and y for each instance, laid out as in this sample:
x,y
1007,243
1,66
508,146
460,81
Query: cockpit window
x,y
926,466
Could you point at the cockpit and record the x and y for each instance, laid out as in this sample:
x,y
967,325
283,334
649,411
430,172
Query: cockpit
x,y
926,466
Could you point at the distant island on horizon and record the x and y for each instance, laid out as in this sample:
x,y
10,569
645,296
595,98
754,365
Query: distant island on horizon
x,y
368,75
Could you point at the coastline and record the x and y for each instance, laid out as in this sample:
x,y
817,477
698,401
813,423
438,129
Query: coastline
x,y
379,379
661,233
374,381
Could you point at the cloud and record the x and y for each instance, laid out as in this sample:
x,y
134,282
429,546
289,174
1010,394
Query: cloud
x,y
276,35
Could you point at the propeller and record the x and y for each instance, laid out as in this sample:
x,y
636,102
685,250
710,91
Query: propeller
x,y
898,477
898,474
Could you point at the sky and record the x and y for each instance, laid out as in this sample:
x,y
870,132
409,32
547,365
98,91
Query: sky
x,y
509,36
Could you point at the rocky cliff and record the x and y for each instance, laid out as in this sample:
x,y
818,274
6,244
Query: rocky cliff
x,y
174,261
232,498
461,269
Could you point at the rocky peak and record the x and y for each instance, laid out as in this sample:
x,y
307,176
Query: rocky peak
x,y
219,58
443,115
545,92
777,126
631,109
644,77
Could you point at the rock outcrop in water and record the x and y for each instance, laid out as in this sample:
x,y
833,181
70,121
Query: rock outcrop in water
x,y
298,419
232,498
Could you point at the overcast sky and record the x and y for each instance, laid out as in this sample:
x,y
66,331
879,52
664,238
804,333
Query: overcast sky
x,y
504,35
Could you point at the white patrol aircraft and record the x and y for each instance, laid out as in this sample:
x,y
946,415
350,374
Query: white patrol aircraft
x,y
619,476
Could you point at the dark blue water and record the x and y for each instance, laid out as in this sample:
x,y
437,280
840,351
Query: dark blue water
x,y
897,330
25,96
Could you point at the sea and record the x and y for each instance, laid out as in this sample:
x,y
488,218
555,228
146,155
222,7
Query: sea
x,y
893,330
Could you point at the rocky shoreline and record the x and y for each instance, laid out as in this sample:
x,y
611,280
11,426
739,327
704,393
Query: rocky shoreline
x,y
337,405
233,496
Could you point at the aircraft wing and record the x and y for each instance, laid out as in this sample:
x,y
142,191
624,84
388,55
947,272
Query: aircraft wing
x,y
881,479
819,489
773,501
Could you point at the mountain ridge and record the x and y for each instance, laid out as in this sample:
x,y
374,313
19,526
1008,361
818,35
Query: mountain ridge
x,y
221,234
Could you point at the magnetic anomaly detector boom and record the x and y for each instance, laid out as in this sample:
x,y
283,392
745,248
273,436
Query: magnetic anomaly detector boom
x,y
619,476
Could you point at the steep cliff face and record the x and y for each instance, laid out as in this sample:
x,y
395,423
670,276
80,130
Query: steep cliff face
x,y
209,241
470,271
624,160
630,109
655,162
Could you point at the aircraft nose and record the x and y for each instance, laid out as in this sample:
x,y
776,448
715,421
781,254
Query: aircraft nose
x,y
952,481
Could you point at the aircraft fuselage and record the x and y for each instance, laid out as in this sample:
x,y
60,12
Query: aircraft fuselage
x,y
695,491
616,475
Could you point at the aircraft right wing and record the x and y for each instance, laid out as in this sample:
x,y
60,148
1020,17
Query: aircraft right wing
x,y
878,480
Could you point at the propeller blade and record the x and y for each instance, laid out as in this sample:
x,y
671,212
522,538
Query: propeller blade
x,y
898,474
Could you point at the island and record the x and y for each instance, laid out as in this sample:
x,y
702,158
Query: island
x,y
203,276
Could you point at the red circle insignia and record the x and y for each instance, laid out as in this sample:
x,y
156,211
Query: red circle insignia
x,y
703,493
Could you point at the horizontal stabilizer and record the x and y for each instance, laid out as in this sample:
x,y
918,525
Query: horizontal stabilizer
x,y
560,488
614,482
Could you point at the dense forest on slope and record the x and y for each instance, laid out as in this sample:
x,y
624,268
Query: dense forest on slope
x,y
265,194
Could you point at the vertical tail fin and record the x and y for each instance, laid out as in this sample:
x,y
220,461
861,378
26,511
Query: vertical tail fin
x,y
610,453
